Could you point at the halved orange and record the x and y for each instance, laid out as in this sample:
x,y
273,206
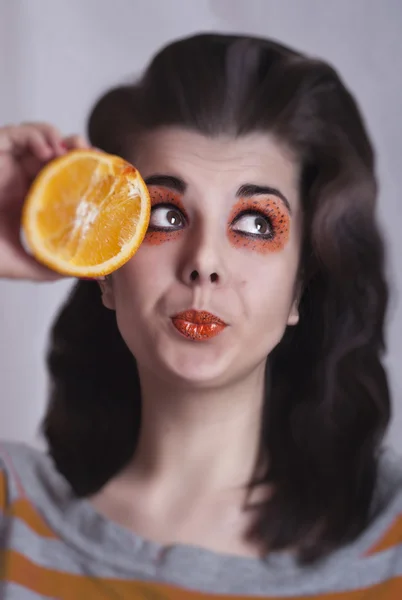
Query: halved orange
x,y
86,213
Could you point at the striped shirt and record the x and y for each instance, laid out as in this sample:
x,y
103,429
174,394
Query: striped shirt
x,y
54,545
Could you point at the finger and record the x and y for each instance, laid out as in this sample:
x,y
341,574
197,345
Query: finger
x,y
30,269
26,138
39,146
31,165
52,135
76,142
37,272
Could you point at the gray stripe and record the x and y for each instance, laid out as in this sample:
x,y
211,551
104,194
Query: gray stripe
x,y
12,591
57,555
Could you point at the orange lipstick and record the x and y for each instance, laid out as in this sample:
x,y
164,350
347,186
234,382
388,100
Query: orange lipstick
x,y
198,325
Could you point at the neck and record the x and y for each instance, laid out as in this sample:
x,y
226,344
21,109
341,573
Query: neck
x,y
208,438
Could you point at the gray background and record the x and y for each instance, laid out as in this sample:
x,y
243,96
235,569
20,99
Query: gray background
x,y
57,56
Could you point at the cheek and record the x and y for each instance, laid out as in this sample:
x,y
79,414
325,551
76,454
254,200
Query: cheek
x,y
266,288
141,281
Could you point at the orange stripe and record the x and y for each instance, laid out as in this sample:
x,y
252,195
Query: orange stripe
x,y
65,586
24,510
3,491
391,538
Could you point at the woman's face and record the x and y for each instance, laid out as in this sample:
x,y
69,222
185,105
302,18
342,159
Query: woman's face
x,y
213,286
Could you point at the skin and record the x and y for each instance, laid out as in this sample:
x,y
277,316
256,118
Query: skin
x,y
202,399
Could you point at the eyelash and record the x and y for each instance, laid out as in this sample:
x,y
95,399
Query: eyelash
x,y
254,213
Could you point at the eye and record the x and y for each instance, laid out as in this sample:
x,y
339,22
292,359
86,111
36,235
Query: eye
x,y
166,216
254,224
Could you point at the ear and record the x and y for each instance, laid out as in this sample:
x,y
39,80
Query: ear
x,y
106,286
294,316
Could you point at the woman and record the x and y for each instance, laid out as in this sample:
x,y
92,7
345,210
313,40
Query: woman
x,y
183,461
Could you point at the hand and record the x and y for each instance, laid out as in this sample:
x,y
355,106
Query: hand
x,y
24,150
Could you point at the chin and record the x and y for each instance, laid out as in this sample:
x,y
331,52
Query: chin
x,y
199,363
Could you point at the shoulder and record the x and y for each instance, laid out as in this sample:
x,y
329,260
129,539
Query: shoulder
x,y
389,482
25,473
384,533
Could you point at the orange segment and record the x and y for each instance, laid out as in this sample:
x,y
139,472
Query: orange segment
x,y
86,214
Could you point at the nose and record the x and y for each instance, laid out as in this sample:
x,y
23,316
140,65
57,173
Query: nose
x,y
197,276
203,263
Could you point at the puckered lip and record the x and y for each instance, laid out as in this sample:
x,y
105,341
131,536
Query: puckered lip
x,y
199,317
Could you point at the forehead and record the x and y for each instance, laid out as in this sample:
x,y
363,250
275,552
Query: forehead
x,y
222,160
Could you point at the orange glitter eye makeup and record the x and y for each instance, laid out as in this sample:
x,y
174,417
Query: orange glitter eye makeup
x,y
168,216
261,225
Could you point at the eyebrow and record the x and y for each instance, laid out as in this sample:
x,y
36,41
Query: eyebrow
x,y
168,181
248,190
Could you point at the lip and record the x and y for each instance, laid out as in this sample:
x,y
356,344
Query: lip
x,y
199,317
198,325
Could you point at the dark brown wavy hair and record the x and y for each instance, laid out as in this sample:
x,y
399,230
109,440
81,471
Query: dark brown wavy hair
x,y
327,401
